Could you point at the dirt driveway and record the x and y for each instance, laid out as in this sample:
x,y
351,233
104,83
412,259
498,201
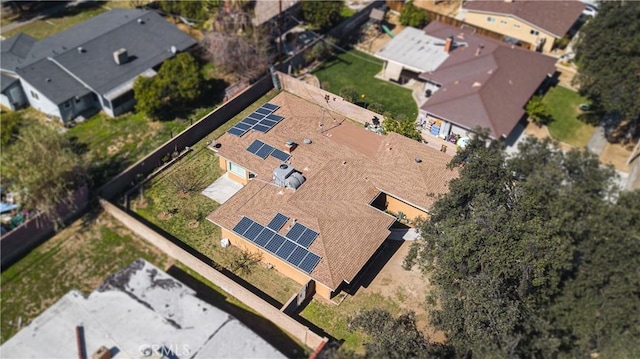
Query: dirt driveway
x,y
407,288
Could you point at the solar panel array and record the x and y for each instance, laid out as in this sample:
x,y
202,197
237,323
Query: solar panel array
x,y
263,119
302,235
268,238
264,150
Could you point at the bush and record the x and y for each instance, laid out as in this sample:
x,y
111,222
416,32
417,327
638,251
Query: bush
x,y
376,107
413,16
349,93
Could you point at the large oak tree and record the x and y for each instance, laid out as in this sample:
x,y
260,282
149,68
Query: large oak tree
x,y
608,55
533,256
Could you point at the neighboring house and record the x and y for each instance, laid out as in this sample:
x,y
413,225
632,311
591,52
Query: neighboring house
x,y
319,192
138,312
539,23
91,66
473,81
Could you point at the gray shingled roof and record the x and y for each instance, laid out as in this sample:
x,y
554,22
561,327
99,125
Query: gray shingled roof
x,y
15,50
6,81
486,83
148,43
52,81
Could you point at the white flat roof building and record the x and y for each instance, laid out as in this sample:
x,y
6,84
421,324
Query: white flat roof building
x,y
413,50
140,312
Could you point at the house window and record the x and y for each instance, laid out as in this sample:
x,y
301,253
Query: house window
x,y
67,104
78,100
236,169
503,22
534,32
491,19
34,95
106,103
516,26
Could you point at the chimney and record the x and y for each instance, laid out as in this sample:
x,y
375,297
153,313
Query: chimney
x,y
120,56
448,44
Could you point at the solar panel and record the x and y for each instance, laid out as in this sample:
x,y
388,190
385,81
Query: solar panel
x,y
256,116
263,111
249,121
297,256
264,237
242,225
282,156
270,106
295,232
268,123
278,221
261,128
275,243
309,262
307,238
274,117
236,131
255,146
243,126
285,250
253,231
264,151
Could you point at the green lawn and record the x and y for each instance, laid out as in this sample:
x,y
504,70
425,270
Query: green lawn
x,y
46,27
112,144
566,126
357,69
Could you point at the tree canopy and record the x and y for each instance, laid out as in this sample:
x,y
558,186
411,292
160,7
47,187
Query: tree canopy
x,y
401,125
322,14
43,168
608,54
535,255
176,85
413,16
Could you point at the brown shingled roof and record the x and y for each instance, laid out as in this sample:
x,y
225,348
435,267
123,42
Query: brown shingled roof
x,y
346,167
486,83
554,16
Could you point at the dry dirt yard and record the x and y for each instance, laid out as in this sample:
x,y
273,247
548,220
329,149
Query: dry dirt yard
x,y
408,288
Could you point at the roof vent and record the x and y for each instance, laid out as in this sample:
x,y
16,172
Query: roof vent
x,y
120,56
81,50
48,80
307,141
140,21
173,50
418,159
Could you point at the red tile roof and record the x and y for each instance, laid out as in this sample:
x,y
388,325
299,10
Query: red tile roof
x,y
554,16
345,168
486,83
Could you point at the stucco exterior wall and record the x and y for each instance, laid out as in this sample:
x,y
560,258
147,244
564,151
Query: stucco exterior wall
x,y
41,103
395,205
281,266
511,27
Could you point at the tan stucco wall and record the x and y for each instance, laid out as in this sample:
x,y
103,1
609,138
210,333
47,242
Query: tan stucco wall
x,y
522,33
281,266
395,205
